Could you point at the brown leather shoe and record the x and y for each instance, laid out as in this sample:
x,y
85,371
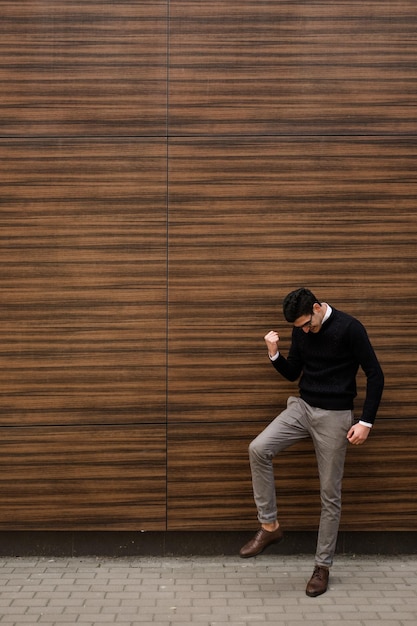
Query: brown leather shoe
x,y
260,541
318,582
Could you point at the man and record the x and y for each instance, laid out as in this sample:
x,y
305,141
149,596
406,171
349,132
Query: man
x,y
327,348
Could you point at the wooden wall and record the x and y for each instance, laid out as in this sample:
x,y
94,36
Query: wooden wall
x,y
169,171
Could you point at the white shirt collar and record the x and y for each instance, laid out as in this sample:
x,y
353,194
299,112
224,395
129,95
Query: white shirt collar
x,y
328,312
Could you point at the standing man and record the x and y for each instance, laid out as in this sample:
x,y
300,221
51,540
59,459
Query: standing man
x,y
327,348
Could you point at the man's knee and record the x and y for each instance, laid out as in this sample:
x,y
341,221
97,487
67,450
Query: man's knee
x,y
257,450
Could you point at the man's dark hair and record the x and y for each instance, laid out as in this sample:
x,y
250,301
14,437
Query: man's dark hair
x,y
297,303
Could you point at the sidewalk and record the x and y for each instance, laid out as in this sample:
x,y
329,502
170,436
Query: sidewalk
x,y
205,591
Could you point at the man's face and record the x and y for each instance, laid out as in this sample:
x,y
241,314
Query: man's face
x,y
311,323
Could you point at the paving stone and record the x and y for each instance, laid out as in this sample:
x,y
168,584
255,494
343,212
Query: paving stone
x,y
222,591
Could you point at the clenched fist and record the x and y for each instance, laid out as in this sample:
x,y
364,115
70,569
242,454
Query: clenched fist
x,y
271,340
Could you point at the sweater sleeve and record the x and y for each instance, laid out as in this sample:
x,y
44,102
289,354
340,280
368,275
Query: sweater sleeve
x,y
290,367
367,359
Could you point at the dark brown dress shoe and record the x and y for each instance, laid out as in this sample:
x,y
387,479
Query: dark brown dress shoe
x,y
318,582
260,541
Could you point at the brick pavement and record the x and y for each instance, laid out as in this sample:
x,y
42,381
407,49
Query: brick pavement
x,y
206,591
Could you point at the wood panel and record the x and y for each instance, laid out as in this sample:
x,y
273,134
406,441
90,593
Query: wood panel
x,y
78,67
302,68
252,219
209,485
115,247
380,482
83,478
83,281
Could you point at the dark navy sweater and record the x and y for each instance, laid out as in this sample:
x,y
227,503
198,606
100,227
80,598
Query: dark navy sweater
x,y
328,362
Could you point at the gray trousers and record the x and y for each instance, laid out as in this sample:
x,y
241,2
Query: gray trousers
x,y
328,430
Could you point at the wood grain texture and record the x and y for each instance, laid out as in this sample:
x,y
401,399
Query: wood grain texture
x,y
169,171
209,484
380,483
90,478
299,68
252,219
83,68
83,281
208,479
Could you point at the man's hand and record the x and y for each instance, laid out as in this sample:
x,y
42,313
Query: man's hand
x,y
358,434
271,340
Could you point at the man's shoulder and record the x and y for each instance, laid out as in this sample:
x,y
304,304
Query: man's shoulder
x,y
346,320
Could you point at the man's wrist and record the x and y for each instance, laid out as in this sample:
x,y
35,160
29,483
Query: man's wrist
x,y
273,358
368,424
